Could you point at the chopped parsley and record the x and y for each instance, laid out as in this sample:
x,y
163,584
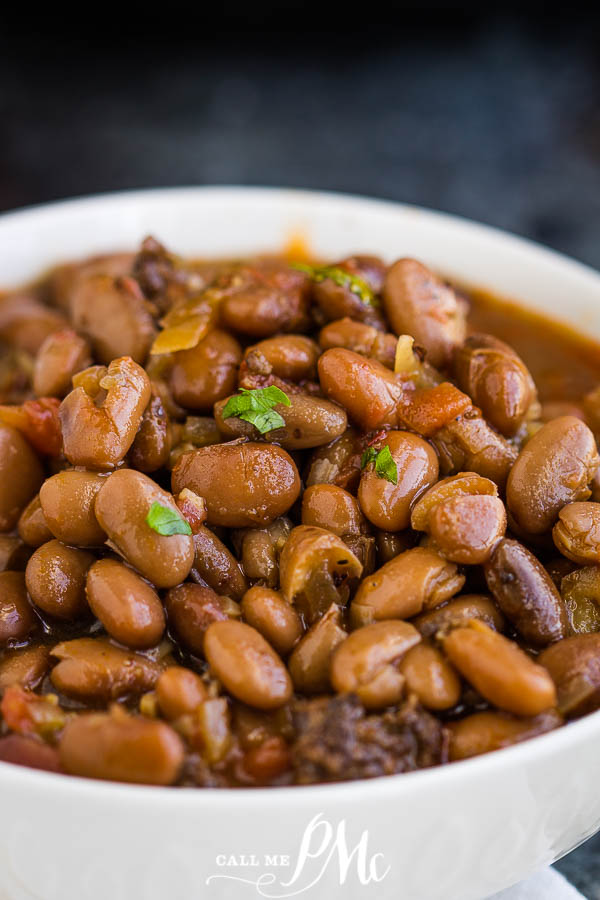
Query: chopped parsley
x,y
385,467
166,521
342,278
256,407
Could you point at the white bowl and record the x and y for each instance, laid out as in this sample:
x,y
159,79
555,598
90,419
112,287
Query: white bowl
x,y
458,832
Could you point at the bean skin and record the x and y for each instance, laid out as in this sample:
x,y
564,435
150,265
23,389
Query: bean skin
x,y
554,468
574,665
17,619
179,692
21,475
361,338
468,443
55,577
309,663
292,357
26,667
430,676
466,529
387,505
244,485
126,605
62,355
93,670
500,670
461,485
121,507
577,532
216,565
207,372
152,443
526,594
486,731
121,748
191,608
32,525
368,391
277,620
331,507
460,611
247,665
67,500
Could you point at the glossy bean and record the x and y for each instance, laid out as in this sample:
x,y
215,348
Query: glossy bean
x,y
95,670
152,443
62,355
429,676
273,617
468,443
309,662
466,529
263,300
460,611
331,507
216,565
577,532
369,392
32,525
360,338
206,373
191,608
574,665
462,485
17,619
26,666
21,475
67,502
179,692
55,577
292,357
126,605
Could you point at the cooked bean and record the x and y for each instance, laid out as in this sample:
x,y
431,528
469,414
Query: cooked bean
x,y
486,731
121,748
67,503
263,300
113,314
497,381
179,692
65,277
247,665
62,355
360,338
32,526
101,415
25,323
274,617
308,422
207,372
468,443
191,608
466,529
17,619
338,300
243,484
526,594
292,357
580,591
390,544
331,507
577,532
94,670
13,553
152,444
500,670
309,663
574,665
316,568
31,752
26,667
122,505
460,611
126,605
337,462
429,675
418,303
464,484
369,392
415,580
259,557
21,475
55,577
367,663
554,468
387,505
216,565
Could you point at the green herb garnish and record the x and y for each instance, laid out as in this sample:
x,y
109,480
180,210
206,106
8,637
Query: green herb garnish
x,y
256,407
166,521
342,278
385,467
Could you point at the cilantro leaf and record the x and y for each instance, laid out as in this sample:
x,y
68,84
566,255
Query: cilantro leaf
x,y
166,521
385,467
256,406
342,278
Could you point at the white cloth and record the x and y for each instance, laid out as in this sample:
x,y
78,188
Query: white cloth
x,y
548,884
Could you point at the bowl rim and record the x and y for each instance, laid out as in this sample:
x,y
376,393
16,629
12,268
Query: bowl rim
x,y
26,779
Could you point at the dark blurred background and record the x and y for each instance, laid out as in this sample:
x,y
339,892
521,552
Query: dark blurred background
x,y
486,111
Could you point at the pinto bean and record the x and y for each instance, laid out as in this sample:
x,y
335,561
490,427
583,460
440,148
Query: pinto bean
x,y
418,303
577,532
122,505
21,475
460,611
309,663
466,529
207,372
415,580
152,443
247,665
468,443
387,505
273,617
338,300
26,667
32,526
368,391
391,544
113,314
486,731
259,557
191,608
331,507
316,568
500,670
308,422
429,675
29,751
25,323
101,415
243,484
62,355
497,381
63,278
574,665
179,692
580,591
554,468
360,338
292,357
67,503
262,300
121,748
367,663
14,553
17,619
526,594
126,605
462,485
217,566
94,670
55,577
